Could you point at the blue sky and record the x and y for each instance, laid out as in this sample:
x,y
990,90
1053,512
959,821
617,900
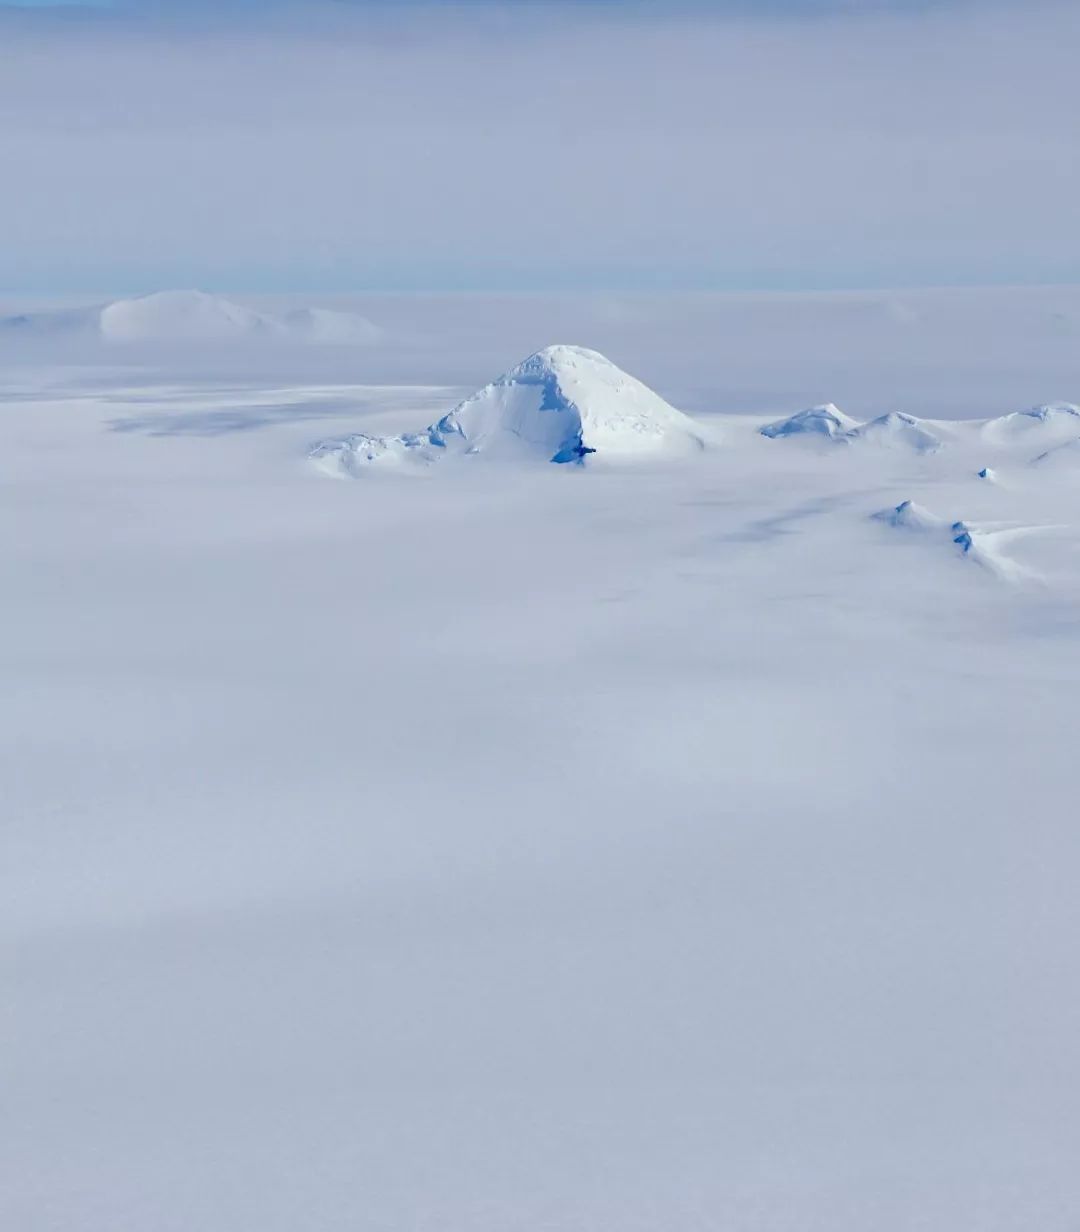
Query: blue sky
x,y
358,146
760,7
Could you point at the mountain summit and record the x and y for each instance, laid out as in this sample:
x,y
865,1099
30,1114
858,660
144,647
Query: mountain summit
x,y
826,420
562,404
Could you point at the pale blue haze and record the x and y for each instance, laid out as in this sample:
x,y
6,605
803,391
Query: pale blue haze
x,y
355,146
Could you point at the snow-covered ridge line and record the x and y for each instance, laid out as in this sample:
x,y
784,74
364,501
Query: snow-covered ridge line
x,y
1053,425
563,404
893,430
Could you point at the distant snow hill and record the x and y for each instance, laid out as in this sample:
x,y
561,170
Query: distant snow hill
x,y
1057,421
194,317
826,420
563,404
893,431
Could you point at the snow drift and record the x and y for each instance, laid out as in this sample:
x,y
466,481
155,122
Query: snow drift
x,y
563,404
194,317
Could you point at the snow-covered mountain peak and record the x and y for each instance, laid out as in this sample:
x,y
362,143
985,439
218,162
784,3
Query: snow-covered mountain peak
x,y
560,359
561,404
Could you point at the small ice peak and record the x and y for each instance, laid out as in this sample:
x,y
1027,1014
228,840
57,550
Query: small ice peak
x,y
910,516
826,420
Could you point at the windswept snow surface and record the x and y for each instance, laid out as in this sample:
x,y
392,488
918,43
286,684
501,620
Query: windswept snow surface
x,y
661,848
187,317
562,404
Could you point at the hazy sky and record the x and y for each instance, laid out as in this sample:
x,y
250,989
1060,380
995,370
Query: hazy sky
x,y
794,143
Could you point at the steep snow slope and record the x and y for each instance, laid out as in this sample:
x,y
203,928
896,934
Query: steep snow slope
x,y
187,317
562,404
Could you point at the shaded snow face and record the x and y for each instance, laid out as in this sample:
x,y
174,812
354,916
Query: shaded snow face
x,y
562,405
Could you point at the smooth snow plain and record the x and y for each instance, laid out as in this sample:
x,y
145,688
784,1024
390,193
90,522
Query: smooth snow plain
x,y
677,843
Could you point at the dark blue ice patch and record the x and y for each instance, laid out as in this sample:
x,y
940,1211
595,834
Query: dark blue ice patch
x,y
573,451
